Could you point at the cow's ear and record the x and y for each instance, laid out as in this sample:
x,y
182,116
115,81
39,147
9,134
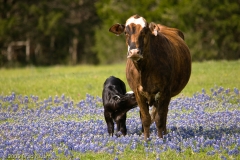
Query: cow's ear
x,y
117,29
153,28
116,97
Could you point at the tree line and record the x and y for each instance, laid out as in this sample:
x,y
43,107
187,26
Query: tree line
x,y
76,32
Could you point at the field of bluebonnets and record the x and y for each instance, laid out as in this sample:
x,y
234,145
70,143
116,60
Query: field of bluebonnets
x,y
201,126
58,127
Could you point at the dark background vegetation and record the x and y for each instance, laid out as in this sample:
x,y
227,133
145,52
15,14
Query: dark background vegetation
x,y
76,31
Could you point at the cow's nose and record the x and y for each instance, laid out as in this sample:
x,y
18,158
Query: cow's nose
x,y
134,51
135,54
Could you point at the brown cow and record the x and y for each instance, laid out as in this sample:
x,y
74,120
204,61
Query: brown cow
x,y
158,67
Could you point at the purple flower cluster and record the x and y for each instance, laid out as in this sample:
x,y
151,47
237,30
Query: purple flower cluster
x,y
59,127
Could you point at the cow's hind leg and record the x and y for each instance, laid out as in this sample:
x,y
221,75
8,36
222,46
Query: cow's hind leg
x,y
109,121
161,115
153,113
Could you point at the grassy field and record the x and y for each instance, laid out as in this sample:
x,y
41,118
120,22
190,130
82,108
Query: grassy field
x,y
76,81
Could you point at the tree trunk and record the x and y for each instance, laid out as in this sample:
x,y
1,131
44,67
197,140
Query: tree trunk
x,y
74,51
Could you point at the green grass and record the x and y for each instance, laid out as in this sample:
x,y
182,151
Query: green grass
x,y
76,81
213,73
140,154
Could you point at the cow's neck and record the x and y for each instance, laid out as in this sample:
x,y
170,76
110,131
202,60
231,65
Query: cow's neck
x,y
141,68
141,64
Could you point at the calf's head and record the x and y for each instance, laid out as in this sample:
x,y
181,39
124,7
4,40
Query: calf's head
x,y
137,31
125,102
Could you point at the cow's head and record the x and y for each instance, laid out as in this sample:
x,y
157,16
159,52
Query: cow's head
x,y
136,31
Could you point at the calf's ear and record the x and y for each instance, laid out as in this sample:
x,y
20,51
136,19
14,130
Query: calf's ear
x,y
116,97
117,29
153,28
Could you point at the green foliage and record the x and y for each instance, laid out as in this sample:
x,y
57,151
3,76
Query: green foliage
x,y
110,48
50,26
211,28
217,25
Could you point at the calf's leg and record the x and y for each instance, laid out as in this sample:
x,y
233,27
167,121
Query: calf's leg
x,y
120,118
109,121
121,124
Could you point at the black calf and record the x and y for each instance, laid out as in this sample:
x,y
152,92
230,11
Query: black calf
x,y
116,103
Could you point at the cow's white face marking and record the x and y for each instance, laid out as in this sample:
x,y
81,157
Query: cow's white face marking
x,y
139,21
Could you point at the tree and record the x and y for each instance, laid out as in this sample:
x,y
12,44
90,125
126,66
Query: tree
x,y
63,32
59,30
213,28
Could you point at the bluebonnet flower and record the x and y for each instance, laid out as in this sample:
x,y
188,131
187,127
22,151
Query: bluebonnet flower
x,y
196,122
26,99
234,151
236,91
223,157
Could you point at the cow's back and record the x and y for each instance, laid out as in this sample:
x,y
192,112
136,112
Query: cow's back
x,y
181,57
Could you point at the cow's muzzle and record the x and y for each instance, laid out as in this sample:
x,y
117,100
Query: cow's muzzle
x,y
135,54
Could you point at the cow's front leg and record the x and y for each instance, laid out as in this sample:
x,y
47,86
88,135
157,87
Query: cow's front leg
x,y
145,116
